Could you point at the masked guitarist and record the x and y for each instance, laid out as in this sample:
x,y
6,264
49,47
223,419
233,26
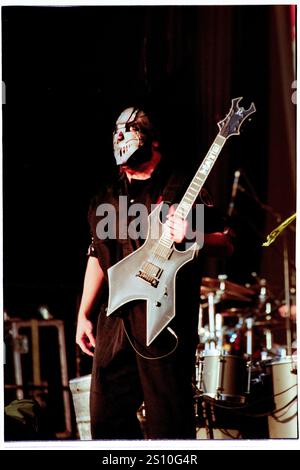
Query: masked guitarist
x,y
126,372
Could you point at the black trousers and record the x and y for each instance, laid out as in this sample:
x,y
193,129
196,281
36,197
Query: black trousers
x,y
126,374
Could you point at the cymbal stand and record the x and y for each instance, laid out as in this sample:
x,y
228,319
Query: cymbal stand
x,y
200,323
286,261
222,278
269,340
211,320
287,295
219,331
198,351
249,337
198,369
267,332
262,291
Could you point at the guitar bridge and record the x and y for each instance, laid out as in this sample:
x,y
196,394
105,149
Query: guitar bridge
x,y
150,273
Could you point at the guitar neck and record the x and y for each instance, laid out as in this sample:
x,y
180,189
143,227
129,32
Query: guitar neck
x,y
196,185
200,177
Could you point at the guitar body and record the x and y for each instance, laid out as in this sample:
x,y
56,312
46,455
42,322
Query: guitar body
x,y
126,285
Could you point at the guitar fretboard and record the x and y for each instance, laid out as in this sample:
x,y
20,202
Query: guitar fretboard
x,y
195,186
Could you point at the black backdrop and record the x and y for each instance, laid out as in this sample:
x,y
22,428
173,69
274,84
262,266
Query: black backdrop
x,y
69,70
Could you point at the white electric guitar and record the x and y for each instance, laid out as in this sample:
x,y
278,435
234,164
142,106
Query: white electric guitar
x,y
149,273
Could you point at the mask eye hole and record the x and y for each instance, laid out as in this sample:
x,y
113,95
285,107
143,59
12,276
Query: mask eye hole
x,y
131,127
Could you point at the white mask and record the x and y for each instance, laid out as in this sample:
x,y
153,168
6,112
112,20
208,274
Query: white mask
x,y
127,138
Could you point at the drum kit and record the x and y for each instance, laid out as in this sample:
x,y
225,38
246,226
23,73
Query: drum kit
x,y
242,341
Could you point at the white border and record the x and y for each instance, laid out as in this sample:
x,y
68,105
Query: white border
x,y
264,444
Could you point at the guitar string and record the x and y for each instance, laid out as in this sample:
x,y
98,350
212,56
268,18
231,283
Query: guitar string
x,y
158,251
222,124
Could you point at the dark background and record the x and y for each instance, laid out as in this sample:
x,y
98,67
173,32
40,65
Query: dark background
x,y
69,71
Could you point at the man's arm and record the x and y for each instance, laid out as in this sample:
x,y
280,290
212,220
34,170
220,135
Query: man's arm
x,y
93,281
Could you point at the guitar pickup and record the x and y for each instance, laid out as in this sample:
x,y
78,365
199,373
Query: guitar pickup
x,y
150,273
152,280
151,269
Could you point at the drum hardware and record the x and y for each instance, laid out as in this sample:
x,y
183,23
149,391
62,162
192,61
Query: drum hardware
x,y
273,323
271,327
222,377
208,423
263,291
249,352
219,331
268,340
198,369
268,310
283,419
226,379
281,230
249,336
215,291
200,321
211,322
249,367
220,388
233,325
239,379
203,331
287,295
267,332
206,333
270,239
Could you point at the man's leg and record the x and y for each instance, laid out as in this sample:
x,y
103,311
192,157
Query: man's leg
x,y
166,378
116,392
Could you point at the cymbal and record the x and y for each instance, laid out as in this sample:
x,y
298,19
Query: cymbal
x,y
228,292
223,294
227,286
235,312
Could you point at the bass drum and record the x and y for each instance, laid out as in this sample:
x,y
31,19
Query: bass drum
x,y
283,421
223,377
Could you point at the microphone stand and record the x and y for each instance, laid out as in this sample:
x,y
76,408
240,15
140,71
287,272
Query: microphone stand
x,y
287,295
286,268
249,349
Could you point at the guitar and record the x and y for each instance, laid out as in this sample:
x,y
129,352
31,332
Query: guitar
x,y
149,273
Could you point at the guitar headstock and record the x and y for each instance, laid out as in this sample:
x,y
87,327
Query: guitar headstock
x,y
231,124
